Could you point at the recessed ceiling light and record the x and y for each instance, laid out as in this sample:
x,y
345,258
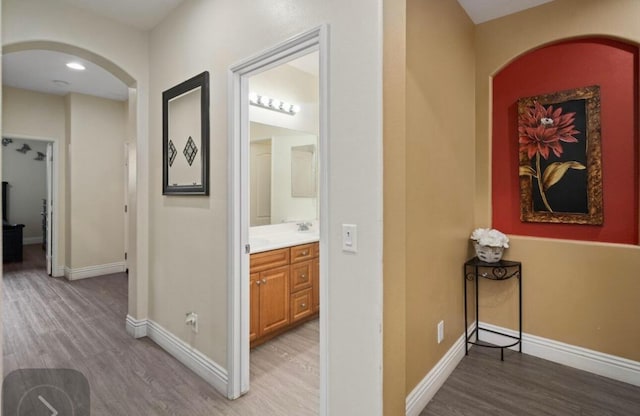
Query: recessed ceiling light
x,y
76,65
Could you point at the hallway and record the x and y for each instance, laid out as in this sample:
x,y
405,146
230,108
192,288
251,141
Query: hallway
x,y
54,323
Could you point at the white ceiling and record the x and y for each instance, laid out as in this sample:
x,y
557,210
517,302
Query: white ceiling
x,y
36,70
141,14
481,11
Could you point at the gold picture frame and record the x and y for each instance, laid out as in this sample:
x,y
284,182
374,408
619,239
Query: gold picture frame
x,y
560,157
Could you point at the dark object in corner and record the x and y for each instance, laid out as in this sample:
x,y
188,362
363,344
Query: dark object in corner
x,y
11,233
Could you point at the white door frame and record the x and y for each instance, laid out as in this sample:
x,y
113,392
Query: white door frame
x,y
126,205
56,271
315,39
48,232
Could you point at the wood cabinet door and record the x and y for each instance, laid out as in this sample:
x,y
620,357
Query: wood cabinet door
x,y
315,284
254,306
274,299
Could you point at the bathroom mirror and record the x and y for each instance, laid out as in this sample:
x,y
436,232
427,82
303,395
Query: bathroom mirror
x,y
283,150
185,137
283,175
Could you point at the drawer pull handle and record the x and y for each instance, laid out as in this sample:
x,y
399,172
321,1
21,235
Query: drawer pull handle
x,y
258,282
304,277
304,306
264,281
304,253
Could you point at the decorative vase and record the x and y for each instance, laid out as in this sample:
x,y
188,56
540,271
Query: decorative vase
x,y
488,254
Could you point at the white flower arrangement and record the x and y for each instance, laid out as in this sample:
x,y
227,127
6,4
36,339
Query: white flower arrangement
x,y
490,237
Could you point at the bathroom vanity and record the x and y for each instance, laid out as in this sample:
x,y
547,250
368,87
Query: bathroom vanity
x,y
284,290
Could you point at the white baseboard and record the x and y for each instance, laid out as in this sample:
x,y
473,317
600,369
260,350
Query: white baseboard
x,y
420,396
606,365
31,240
93,271
58,271
196,361
137,328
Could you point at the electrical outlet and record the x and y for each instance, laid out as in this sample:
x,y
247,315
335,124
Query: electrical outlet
x,y
440,331
192,320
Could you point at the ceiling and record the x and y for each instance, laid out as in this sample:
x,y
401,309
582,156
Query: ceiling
x,y
46,71
37,70
481,11
140,14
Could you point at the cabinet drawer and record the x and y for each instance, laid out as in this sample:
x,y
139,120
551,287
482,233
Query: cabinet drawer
x,y
316,249
301,275
301,253
301,305
269,259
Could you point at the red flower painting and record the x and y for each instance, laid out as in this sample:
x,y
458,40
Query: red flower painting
x,y
541,131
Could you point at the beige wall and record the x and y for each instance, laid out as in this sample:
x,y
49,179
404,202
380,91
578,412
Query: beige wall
x,y
574,292
429,179
439,176
91,191
96,158
32,114
189,235
395,226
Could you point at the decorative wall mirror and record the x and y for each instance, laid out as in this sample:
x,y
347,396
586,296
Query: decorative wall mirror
x,y
185,137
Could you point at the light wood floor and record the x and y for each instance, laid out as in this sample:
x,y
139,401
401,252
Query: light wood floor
x,y
523,385
54,323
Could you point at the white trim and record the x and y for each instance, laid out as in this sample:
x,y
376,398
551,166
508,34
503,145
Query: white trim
x,y
606,365
196,361
31,240
420,396
58,271
93,271
238,332
137,328
193,359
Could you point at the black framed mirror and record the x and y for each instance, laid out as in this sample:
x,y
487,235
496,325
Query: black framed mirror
x,y
185,137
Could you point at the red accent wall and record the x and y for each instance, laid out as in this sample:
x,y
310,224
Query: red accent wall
x,y
579,63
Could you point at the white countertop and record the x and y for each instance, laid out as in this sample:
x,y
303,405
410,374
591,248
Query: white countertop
x,y
272,237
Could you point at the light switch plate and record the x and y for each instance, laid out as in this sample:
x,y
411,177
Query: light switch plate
x,y
350,238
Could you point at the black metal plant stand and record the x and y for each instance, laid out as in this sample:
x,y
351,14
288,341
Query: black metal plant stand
x,y
503,270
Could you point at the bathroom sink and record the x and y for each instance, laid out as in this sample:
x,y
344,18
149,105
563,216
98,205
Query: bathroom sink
x,y
272,241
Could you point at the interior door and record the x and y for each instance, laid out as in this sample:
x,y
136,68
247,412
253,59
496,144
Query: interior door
x,y
260,192
49,215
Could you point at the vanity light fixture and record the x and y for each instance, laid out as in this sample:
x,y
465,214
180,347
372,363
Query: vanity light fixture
x,y
76,66
273,104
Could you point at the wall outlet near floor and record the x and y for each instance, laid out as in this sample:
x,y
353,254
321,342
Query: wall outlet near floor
x,y
440,331
192,319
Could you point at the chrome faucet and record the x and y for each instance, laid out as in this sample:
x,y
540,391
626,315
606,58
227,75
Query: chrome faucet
x,y
304,226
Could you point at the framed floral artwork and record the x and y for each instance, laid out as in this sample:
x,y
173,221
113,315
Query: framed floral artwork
x,y
561,157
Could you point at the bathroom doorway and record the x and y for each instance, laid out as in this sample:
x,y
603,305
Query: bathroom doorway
x,y
279,194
